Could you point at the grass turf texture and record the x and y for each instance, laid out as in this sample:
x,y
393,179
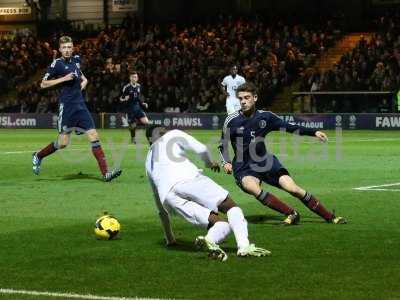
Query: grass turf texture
x,y
47,241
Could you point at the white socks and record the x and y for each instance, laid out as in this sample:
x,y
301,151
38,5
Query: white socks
x,y
239,226
218,232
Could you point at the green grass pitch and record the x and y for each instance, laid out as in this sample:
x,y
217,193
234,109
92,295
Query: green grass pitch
x,y
47,241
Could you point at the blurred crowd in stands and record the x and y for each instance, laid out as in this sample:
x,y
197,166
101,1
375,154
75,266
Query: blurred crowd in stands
x,y
180,67
373,65
20,58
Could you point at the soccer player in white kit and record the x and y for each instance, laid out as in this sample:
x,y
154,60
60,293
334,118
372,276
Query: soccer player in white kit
x,y
229,85
179,185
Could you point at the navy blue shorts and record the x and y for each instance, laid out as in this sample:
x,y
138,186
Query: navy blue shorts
x,y
75,117
135,114
270,173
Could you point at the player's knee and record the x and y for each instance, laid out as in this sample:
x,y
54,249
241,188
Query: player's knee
x,y
288,184
251,187
213,218
62,145
226,205
93,136
294,190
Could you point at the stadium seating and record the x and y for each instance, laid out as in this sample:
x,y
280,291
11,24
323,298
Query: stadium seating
x,y
181,66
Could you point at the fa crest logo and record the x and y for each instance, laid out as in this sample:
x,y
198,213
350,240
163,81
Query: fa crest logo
x,y
167,122
263,124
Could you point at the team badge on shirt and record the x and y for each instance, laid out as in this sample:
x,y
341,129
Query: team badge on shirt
x,y
263,124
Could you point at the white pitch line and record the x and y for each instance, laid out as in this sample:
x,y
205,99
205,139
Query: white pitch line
x,y
332,140
374,140
378,187
65,295
384,190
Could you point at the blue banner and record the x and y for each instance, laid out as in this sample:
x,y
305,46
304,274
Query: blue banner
x,y
176,120
212,121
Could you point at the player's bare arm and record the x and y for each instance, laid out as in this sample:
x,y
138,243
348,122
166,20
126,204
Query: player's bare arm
x,y
49,83
225,161
84,82
224,92
143,102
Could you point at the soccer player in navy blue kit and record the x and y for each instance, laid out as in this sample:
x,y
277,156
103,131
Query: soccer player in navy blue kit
x,y
131,93
252,165
66,74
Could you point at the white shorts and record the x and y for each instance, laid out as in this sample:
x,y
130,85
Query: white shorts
x,y
195,199
232,105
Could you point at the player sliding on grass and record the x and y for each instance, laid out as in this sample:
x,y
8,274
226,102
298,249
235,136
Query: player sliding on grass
x,y
252,165
179,185
65,72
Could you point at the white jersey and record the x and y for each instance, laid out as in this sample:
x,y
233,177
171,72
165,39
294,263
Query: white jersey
x,y
166,163
232,84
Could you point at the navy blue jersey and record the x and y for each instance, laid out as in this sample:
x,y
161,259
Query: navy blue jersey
x,y
70,91
133,91
247,135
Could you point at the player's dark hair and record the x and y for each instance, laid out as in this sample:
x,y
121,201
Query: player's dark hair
x,y
65,39
247,87
133,73
152,131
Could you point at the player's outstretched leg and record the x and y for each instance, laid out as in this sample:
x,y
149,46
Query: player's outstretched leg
x,y
98,153
238,224
309,200
239,227
251,185
317,207
273,202
38,156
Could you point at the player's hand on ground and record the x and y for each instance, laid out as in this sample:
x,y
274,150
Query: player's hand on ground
x,y
171,243
228,168
321,136
68,77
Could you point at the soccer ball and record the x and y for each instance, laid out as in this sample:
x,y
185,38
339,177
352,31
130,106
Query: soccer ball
x,y
107,227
